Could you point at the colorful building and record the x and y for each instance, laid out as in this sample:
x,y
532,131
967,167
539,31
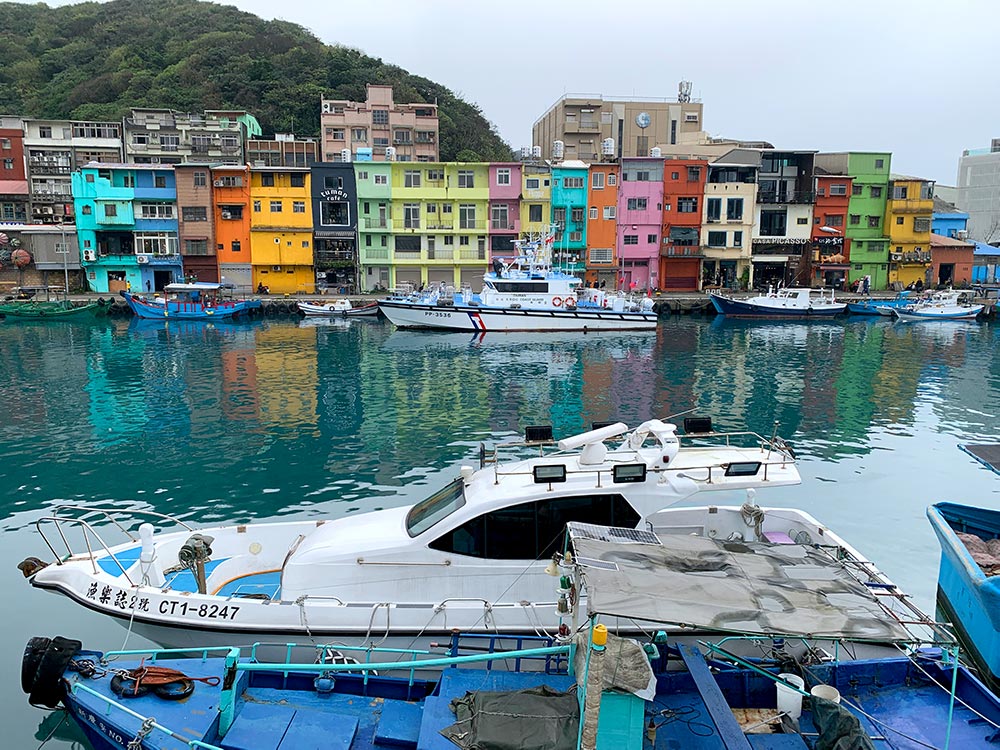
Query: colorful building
x,y
866,229
569,215
505,209
14,193
782,236
732,179
536,199
374,226
640,221
196,222
683,200
335,226
281,230
831,249
602,225
231,211
908,214
126,217
948,221
951,261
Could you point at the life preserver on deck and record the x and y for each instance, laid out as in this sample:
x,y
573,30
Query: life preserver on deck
x,y
570,303
557,301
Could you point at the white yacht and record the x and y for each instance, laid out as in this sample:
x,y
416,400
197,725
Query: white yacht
x,y
792,302
471,556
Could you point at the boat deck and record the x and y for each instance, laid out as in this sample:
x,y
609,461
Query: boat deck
x,y
988,454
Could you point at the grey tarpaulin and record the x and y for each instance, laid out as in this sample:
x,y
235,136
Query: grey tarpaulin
x,y
538,718
741,587
626,666
838,728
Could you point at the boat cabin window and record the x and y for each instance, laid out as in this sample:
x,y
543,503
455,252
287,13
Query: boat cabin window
x,y
521,286
533,530
436,508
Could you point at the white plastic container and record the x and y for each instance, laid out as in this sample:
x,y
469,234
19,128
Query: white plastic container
x,y
790,701
827,692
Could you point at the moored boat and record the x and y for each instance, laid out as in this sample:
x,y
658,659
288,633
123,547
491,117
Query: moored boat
x,y
792,302
883,307
29,303
199,300
943,305
526,293
340,307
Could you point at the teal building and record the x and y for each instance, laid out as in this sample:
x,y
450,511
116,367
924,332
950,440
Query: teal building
x,y
569,215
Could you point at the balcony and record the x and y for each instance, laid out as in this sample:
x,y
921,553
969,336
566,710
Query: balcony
x,y
49,197
374,254
412,224
471,253
910,206
684,251
502,226
910,258
376,224
800,196
471,225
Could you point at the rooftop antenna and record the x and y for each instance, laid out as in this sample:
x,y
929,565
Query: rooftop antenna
x,y
684,91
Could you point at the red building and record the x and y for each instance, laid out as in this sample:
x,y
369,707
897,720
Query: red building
x,y
14,192
951,262
680,249
831,257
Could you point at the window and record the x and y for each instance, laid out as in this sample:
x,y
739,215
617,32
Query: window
x,y
411,216
873,221
612,180
838,189
899,220
531,183
636,204
44,131
855,219
87,210
402,137
5,144
298,180
192,213
138,139
716,239
435,175
381,179
856,189
921,224
598,180
880,164
200,179
196,247
408,243
834,220
89,176
734,209
559,216
499,216
267,180
275,207
687,205
631,239
110,210
772,223
577,215
610,212
573,182
466,178
298,207
256,207
503,177
593,213
336,134
159,181
432,208
714,207
231,212
362,175
876,191
534,212
305,243
694,174
899,192
737,239
449,239
463,240
802,220
411,178
8,163
576,236
380,116
359,134
466,216
529,531
650,239
230,181
675,175
446,208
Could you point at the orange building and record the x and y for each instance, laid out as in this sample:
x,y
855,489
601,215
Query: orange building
x,y
680,250
231,186
831,247
602,224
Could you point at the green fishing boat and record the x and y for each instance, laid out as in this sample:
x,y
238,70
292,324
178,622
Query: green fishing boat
x,y
25,304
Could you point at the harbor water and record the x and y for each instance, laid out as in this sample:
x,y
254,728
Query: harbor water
x,y
218,423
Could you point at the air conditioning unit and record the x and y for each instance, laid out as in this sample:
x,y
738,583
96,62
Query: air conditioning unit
x,y
226,215
142,259
89,255
896,256
218,183
962,234
326,107
275,268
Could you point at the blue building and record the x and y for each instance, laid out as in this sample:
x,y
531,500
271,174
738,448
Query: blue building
x,y
569,215
986,264
948,221
126,219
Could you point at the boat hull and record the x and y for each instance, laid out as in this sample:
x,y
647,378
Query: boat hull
x,y
734,308
970,313
45,313
186,310
477,318
968,597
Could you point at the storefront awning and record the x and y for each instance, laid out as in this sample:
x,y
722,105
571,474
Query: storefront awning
x,y
772,258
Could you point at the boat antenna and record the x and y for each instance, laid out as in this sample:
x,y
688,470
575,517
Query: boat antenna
x,y
680,414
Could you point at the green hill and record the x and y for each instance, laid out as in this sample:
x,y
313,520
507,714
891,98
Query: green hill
x,y
94,61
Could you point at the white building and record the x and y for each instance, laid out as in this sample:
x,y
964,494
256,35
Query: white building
x,y
979,191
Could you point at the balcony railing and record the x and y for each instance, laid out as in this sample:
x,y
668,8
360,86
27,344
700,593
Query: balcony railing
x,y
374,253
45,197
49,169
502,225
376,224
911,205
800,196
471,253
471,224
683,251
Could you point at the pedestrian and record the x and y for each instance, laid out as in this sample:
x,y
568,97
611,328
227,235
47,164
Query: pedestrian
x,y
147,285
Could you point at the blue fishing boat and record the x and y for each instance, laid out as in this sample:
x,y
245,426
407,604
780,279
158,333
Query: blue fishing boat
x,y
787,303
200,300
968,590
881,307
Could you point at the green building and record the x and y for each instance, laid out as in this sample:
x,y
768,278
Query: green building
x,y
865,228
374,224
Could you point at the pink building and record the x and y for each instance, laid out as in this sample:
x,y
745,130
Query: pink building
x,y
640,216
505,206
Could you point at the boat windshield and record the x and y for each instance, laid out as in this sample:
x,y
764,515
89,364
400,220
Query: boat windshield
x,y
436,508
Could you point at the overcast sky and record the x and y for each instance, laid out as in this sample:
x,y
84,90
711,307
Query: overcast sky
x,y
913,77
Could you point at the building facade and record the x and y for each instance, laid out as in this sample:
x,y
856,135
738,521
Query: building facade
x,y
978,191
196,222
335,226
908,213
379,128
569,215
951,261
281,230
782,238
284,150
732,179
536,199
505,179
947,220
374,225
163,136
831,261
14,193
640,221
126,218
684,210
602,225
866,229
231,209
582,122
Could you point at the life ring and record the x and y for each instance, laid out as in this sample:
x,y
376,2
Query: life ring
x,y
557,301
570,303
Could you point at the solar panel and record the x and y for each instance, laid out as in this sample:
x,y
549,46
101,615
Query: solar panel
x,y
590,562
611,534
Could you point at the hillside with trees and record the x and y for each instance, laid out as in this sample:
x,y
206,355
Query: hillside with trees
x,y
95,61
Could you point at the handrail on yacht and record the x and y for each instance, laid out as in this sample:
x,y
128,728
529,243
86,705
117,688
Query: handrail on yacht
x,y
87,529
108,513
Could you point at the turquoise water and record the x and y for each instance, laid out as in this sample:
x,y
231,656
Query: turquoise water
x,y
236,422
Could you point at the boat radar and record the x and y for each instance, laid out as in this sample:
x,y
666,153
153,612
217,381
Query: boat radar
x,y
592,442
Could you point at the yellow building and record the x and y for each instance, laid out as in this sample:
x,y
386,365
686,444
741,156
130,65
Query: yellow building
x,y
281,230
439,219
908,213
536,200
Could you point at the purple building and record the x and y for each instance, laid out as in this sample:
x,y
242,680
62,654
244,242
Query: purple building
x,y
505,206
640,214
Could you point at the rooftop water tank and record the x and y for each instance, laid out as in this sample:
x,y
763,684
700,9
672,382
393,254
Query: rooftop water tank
x,y
558,149
345,154
608,147
655,152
